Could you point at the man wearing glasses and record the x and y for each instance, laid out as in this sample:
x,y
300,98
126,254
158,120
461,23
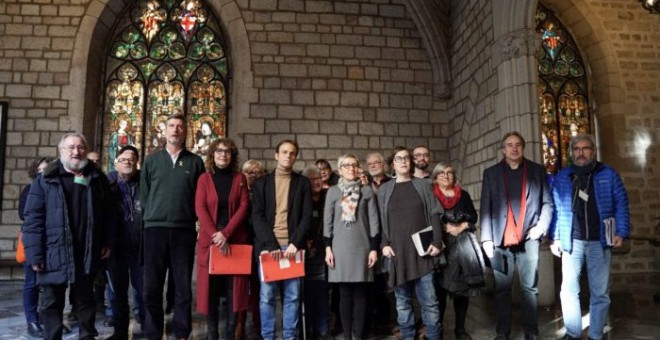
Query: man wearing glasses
x,y
592,218
421,160
125,260
516,210
376,168
167,194
69,229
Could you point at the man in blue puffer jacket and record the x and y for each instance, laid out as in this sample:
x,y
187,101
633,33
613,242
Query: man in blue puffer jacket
x,y
588,195
69,229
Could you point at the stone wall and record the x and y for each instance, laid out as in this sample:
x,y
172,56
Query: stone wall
x,y
339,76
36,44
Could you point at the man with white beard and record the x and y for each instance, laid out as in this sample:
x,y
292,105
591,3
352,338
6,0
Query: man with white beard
x,y
69,229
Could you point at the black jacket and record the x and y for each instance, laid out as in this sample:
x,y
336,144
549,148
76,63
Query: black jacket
x,y
129,224
263,211
47,233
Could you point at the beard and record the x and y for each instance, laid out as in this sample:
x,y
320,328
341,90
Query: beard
x,y
422,165
74,166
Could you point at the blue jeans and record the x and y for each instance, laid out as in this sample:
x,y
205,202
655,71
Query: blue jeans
x,y
526,258
30,294
598,262
425,291
290,306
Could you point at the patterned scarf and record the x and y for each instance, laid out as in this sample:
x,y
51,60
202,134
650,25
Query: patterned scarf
x,y
349,201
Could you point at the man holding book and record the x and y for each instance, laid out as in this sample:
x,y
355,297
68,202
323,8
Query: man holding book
x,y
282,216
592,218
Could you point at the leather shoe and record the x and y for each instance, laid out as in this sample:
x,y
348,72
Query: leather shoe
x,y
35,330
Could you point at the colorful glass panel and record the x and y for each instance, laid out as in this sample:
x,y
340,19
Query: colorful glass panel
x,y
562,90
166,57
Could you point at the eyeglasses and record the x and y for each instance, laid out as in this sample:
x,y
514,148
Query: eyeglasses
x,y
125,160
422,155
370,164
583,149
225,152
70,148
349,166
445,174
400,159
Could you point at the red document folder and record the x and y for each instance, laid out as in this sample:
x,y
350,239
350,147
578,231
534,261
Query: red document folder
x,y
237,262
283,269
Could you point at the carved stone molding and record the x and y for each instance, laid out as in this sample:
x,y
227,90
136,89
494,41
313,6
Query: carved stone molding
x,y
521,42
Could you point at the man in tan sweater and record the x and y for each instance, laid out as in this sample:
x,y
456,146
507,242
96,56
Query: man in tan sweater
x,y
281,214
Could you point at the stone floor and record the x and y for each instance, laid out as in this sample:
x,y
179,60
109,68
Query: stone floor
x,y
634,314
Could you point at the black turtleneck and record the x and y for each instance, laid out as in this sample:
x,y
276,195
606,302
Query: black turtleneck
x,y
222,180
586,220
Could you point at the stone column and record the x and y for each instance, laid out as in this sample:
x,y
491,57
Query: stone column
x,y
516,109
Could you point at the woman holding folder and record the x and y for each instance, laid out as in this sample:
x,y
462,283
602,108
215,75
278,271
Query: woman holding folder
x,y
222,205
407,206
351,231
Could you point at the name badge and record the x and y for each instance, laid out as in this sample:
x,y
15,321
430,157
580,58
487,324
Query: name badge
x,y
81,180
584,196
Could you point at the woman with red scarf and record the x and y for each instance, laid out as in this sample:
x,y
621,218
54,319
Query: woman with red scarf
x,y
461,245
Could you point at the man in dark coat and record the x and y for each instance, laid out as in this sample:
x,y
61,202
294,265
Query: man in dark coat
x,y
69,229
282,216
125,261
516,210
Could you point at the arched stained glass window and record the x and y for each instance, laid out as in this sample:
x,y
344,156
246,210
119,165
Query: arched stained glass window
x,y
166,57
562,86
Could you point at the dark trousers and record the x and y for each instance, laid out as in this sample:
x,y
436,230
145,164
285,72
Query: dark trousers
x,y
379,306
460,307
30,295
353,307
124,267
173,249
52,307
221,286
525,257
316,307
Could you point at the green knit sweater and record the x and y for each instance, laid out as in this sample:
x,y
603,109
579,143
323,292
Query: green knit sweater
x,y
167,191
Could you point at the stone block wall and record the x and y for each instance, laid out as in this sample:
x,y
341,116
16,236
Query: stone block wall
x,y
36,47
339,76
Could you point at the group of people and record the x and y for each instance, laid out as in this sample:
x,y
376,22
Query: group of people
x,y
356,228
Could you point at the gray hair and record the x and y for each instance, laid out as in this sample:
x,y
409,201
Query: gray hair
x,y
348,155
311,170
72,134
376,154
441,167
583,136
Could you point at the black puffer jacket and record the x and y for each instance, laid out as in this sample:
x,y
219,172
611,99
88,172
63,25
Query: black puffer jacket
x,y
47,234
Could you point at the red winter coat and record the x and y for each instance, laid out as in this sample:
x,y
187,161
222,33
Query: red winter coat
x,y
236,232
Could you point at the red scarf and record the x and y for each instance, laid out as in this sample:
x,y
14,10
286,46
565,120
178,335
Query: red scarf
x,y
513,232
447,202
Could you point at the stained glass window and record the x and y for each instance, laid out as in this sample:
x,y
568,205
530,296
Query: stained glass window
x,y
166,57
562,89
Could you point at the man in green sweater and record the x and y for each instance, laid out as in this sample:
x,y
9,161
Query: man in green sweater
x,y
167,193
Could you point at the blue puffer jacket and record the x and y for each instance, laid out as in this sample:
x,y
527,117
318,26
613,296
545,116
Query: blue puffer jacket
x,y
611,201
47,235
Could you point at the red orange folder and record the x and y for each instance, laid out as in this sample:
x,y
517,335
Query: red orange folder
x,y
283,269
237,262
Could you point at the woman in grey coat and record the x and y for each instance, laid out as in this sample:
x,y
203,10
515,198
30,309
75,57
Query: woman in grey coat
x,y
350,228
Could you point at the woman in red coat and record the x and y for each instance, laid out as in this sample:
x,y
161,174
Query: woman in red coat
x,y
222,205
